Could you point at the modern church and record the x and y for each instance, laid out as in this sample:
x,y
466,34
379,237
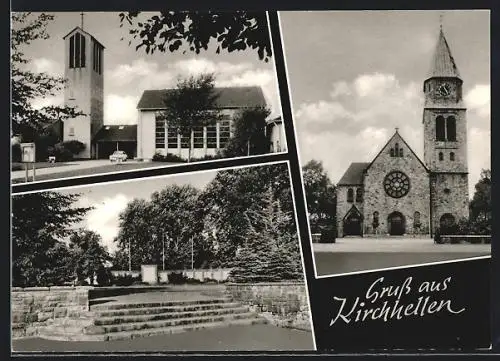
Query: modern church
x,y
397,193
84,71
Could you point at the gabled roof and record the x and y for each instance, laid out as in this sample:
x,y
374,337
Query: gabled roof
x,y
228,97
82,31
354,174
397,135
352,210
117,133
443,64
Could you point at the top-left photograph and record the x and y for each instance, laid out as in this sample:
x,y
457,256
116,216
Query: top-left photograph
x,y
101,92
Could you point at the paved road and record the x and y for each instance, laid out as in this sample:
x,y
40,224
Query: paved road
x,y
87,167
232,338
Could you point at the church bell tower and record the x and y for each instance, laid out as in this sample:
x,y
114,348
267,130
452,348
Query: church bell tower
x,y
84,65
445,139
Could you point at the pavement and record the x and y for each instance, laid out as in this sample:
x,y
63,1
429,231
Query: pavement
x,y
84,167
231,338
358,254
397,244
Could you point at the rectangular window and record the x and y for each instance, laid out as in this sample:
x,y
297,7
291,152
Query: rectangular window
x,y
94,56
77,50
72,52
212,136
99,59
71,131
172,137
224,132
160,132
198,137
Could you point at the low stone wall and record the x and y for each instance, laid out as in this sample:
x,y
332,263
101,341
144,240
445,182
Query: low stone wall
x,y
35,308
468,239
282,303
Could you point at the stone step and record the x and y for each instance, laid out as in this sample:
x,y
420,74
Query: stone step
x,y
157,310
133,326
126,335
116,320
128,305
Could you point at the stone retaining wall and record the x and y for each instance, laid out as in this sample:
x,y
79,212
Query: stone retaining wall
x,y
35,308
282,303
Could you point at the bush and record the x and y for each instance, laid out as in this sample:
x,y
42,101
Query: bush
x,y
158,157
60,152
16,152
328,235
126,280
207,157
74,146
437,237
177,278
104,276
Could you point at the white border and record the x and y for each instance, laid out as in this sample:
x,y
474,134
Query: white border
x,y
305,200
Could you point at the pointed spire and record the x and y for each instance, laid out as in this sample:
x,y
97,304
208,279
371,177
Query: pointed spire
x,y
443,64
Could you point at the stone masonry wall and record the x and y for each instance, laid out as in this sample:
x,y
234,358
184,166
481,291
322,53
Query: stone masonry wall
x,y
450,194
376,199
282,303
35,308
343,206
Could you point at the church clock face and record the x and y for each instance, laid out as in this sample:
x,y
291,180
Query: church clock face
x,y
396,184
444,89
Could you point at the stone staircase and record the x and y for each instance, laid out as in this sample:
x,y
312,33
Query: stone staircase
x,y
120,321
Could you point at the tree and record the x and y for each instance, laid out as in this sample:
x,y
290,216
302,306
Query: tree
x,y
480,205
88,255
170,218
270,251
175,30
192,104
39,222
249,133
233,192
320,194
28,121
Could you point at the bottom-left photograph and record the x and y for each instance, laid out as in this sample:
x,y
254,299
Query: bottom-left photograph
x,y
200,261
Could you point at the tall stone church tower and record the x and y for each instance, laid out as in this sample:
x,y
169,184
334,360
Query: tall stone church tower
x,y
445,139
84,65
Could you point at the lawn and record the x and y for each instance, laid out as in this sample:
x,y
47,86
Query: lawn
x,y
231,338
342,262
38,165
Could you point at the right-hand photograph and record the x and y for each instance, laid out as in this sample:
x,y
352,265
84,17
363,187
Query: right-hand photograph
x,y
392,118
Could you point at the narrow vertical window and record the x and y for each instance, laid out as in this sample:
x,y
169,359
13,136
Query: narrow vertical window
x,y
401,152
160,131
452,156
440,131
440,155
375,221
350,195
392,152
359,195
451,129
72,52
77,50
82,52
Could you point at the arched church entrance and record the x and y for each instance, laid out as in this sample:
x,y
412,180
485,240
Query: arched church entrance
x,y
352,224
396,223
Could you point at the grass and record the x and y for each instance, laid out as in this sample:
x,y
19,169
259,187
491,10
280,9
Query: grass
x,y
38,165
233,338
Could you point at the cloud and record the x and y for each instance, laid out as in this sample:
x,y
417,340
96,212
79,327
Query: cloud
x,y
49,66
142,75
120,109
478,100
103,219
358,117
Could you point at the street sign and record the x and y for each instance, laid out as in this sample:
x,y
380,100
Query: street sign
x,y
28,152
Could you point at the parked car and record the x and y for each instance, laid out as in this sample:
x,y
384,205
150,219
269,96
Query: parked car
x,y
118,156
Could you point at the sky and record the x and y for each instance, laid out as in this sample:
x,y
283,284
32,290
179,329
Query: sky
x,y
127,72
110,199
355,76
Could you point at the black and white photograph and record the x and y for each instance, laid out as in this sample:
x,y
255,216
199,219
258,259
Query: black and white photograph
x,y
200,261
107,92
392,122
